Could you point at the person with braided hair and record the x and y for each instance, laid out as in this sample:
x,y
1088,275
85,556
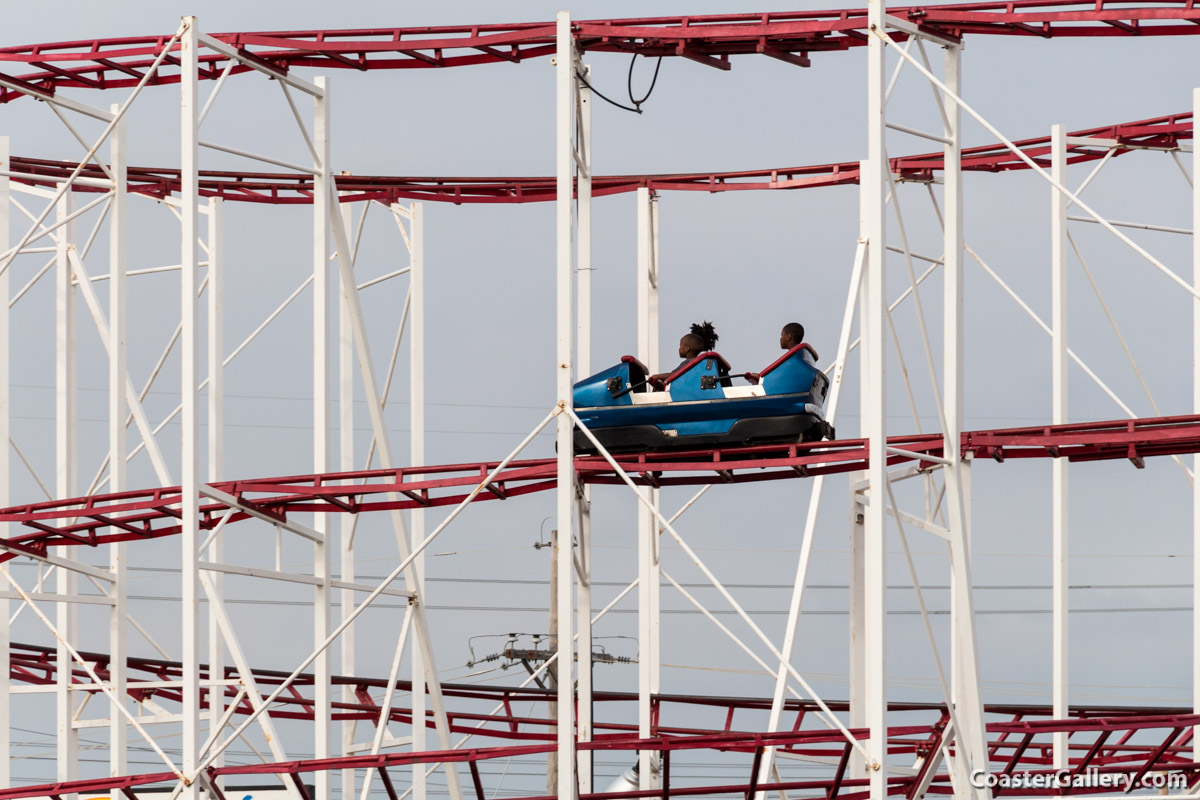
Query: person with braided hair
x,y
702,338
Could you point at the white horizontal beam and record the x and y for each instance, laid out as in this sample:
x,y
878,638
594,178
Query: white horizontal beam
x,y
257,64
896,451
928,259
51,597
383,278
917,522
1144,226
1088,141
254,572
61,102
146,271
936,137
256,157
362,587
288,525
74,566
25,177
913,30
156,719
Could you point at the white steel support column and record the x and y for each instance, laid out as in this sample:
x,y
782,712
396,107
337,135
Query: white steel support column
x,y
216,444
857,578
648,578
346,464
66,415
874,186
1058,416
416,531
189,420
583,546
972,750
322,336
952,319
117,411
566,85
5,477
858,658
1196,410
584,233
322,340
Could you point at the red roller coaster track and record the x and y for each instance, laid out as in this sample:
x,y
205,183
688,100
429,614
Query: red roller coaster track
x,y
153,513
1118,741
293,187
1124,742
711,40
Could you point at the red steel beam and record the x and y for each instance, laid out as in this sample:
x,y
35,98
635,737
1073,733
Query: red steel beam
x,y
283,188
795,36
739,742
1030,725
139,515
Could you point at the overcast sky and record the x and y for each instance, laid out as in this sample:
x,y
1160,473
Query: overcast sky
x,y
747,261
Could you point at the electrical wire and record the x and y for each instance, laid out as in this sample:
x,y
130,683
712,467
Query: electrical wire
x,y
636,106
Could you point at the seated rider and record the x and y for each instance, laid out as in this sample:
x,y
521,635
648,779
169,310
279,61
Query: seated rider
x,y
791,335
701,339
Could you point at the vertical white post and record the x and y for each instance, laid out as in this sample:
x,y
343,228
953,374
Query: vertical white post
x,y
346,464
1196,410
857,587
5,489
584,232
873,184
189,372
216,342
648,576
858,657
216,444
565,84
416,388
584,367
66,414
1058,416
971,752
322,297
952,316
117,411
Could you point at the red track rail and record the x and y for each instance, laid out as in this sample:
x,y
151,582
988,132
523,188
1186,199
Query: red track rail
x,y
1111,740
153,513
712,40
292,188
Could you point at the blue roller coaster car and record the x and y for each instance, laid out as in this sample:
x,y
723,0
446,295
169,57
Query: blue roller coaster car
x,y
698,406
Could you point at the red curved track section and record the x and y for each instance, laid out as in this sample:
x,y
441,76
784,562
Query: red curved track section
x,y
711,39
292,187
153,513
1117,741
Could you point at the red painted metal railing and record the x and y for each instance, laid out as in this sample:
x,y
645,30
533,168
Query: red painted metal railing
x,y
1114,743
152,513
294,187
711,39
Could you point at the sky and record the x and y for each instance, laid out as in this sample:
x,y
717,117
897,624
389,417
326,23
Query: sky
x,y
747,261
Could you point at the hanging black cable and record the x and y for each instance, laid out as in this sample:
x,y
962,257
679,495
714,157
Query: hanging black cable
x,y
605,98
638,103
636,106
